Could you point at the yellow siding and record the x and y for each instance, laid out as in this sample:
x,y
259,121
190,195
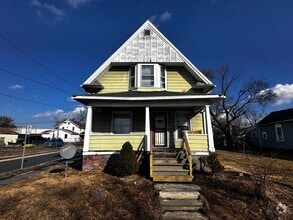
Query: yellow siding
x,y
197,123
115,81
113,142
198,142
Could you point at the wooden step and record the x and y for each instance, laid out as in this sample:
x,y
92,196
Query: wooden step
x,y
176,168
180,215
165,149
174,179
181,205
171,173
165,161
164,154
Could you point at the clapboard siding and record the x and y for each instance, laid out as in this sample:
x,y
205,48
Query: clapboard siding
x,y
198,142
113,142
197,123
114,81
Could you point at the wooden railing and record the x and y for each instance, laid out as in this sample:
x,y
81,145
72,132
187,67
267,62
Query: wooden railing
x,y
151,153
187,151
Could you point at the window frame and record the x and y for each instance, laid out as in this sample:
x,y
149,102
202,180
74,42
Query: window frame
x,y
176,125
121,113
157,76
264,135
279,126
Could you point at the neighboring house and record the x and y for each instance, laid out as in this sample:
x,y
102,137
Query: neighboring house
x,y
68,130
147,92
7,135
273,131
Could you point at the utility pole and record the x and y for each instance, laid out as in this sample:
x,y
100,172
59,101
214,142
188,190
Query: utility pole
x,y
27,130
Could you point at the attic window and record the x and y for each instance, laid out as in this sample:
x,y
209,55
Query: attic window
x,y
147,76
147,32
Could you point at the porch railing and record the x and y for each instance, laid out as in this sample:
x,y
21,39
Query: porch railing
x,y
187,151
151,153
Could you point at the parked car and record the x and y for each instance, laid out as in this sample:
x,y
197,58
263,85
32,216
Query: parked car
x,y
54,142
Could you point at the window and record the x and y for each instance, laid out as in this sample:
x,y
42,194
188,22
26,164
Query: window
x,y
121,123
279,132
253,134
182,123
264,135
147,76
72,128
65,136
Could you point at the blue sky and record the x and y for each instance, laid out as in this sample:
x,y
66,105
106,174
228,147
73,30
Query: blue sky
x,y
71,38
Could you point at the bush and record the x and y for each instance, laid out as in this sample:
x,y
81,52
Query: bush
x,y
214,163
125,163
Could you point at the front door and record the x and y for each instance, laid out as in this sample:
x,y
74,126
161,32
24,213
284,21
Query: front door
x,y
160,129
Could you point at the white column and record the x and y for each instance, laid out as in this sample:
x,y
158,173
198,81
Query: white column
x,y
88,128
209,129
147,128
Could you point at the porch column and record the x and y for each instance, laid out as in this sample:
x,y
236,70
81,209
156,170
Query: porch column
x,y
88,128
147,128
209,129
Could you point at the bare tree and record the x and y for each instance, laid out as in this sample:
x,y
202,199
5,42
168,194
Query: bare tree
x,y
243,99
7,122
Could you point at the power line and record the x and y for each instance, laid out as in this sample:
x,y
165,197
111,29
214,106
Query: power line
x,y
27,100
34,81
36,61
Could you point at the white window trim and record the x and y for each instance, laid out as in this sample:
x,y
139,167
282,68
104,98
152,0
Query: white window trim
x,y
277,136
176,127
112,121
138,76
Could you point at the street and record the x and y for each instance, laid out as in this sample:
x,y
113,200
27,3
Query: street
x,y
14,164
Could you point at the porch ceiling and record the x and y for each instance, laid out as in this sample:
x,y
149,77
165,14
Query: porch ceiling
x,y
151,99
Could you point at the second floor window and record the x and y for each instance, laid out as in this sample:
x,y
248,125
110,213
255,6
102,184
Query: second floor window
x,y
147,76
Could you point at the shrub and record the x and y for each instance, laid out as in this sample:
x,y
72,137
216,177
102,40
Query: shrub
x,y
214,163
125,163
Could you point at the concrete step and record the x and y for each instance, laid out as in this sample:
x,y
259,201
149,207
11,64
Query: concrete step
x,y
177,187
173,179
180,215
181,205
179,195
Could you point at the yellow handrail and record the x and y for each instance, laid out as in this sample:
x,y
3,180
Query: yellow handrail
x,y
187,150
151,154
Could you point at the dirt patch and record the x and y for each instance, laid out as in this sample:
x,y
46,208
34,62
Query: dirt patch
x,y
231,195
82,195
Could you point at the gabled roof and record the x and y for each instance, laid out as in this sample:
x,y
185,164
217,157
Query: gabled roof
x,y
278,116
148,47
78,124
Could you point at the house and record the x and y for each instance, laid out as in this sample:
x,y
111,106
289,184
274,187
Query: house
x,y
148,93
68,130
273,131
7,135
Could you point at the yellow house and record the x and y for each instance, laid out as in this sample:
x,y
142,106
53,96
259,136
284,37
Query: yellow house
x,y
148,93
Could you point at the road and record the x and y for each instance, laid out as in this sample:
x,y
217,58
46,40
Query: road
x,y
14,164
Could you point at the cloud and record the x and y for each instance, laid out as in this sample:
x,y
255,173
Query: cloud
x,y
60,114
77,3
166,16
16,86
284,93
49,12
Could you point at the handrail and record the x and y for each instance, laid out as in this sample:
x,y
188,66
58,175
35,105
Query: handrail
x,y
151,153
187,150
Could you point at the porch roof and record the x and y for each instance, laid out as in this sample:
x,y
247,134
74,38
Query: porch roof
x,y
158,98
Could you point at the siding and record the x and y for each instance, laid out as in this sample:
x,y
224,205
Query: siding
x,y
198,142
113,142
115,81
197,123
179,80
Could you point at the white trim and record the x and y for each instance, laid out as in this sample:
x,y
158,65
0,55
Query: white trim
x,y
200,153
150,98
88,128
92,153
209,129
277,136
195,72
